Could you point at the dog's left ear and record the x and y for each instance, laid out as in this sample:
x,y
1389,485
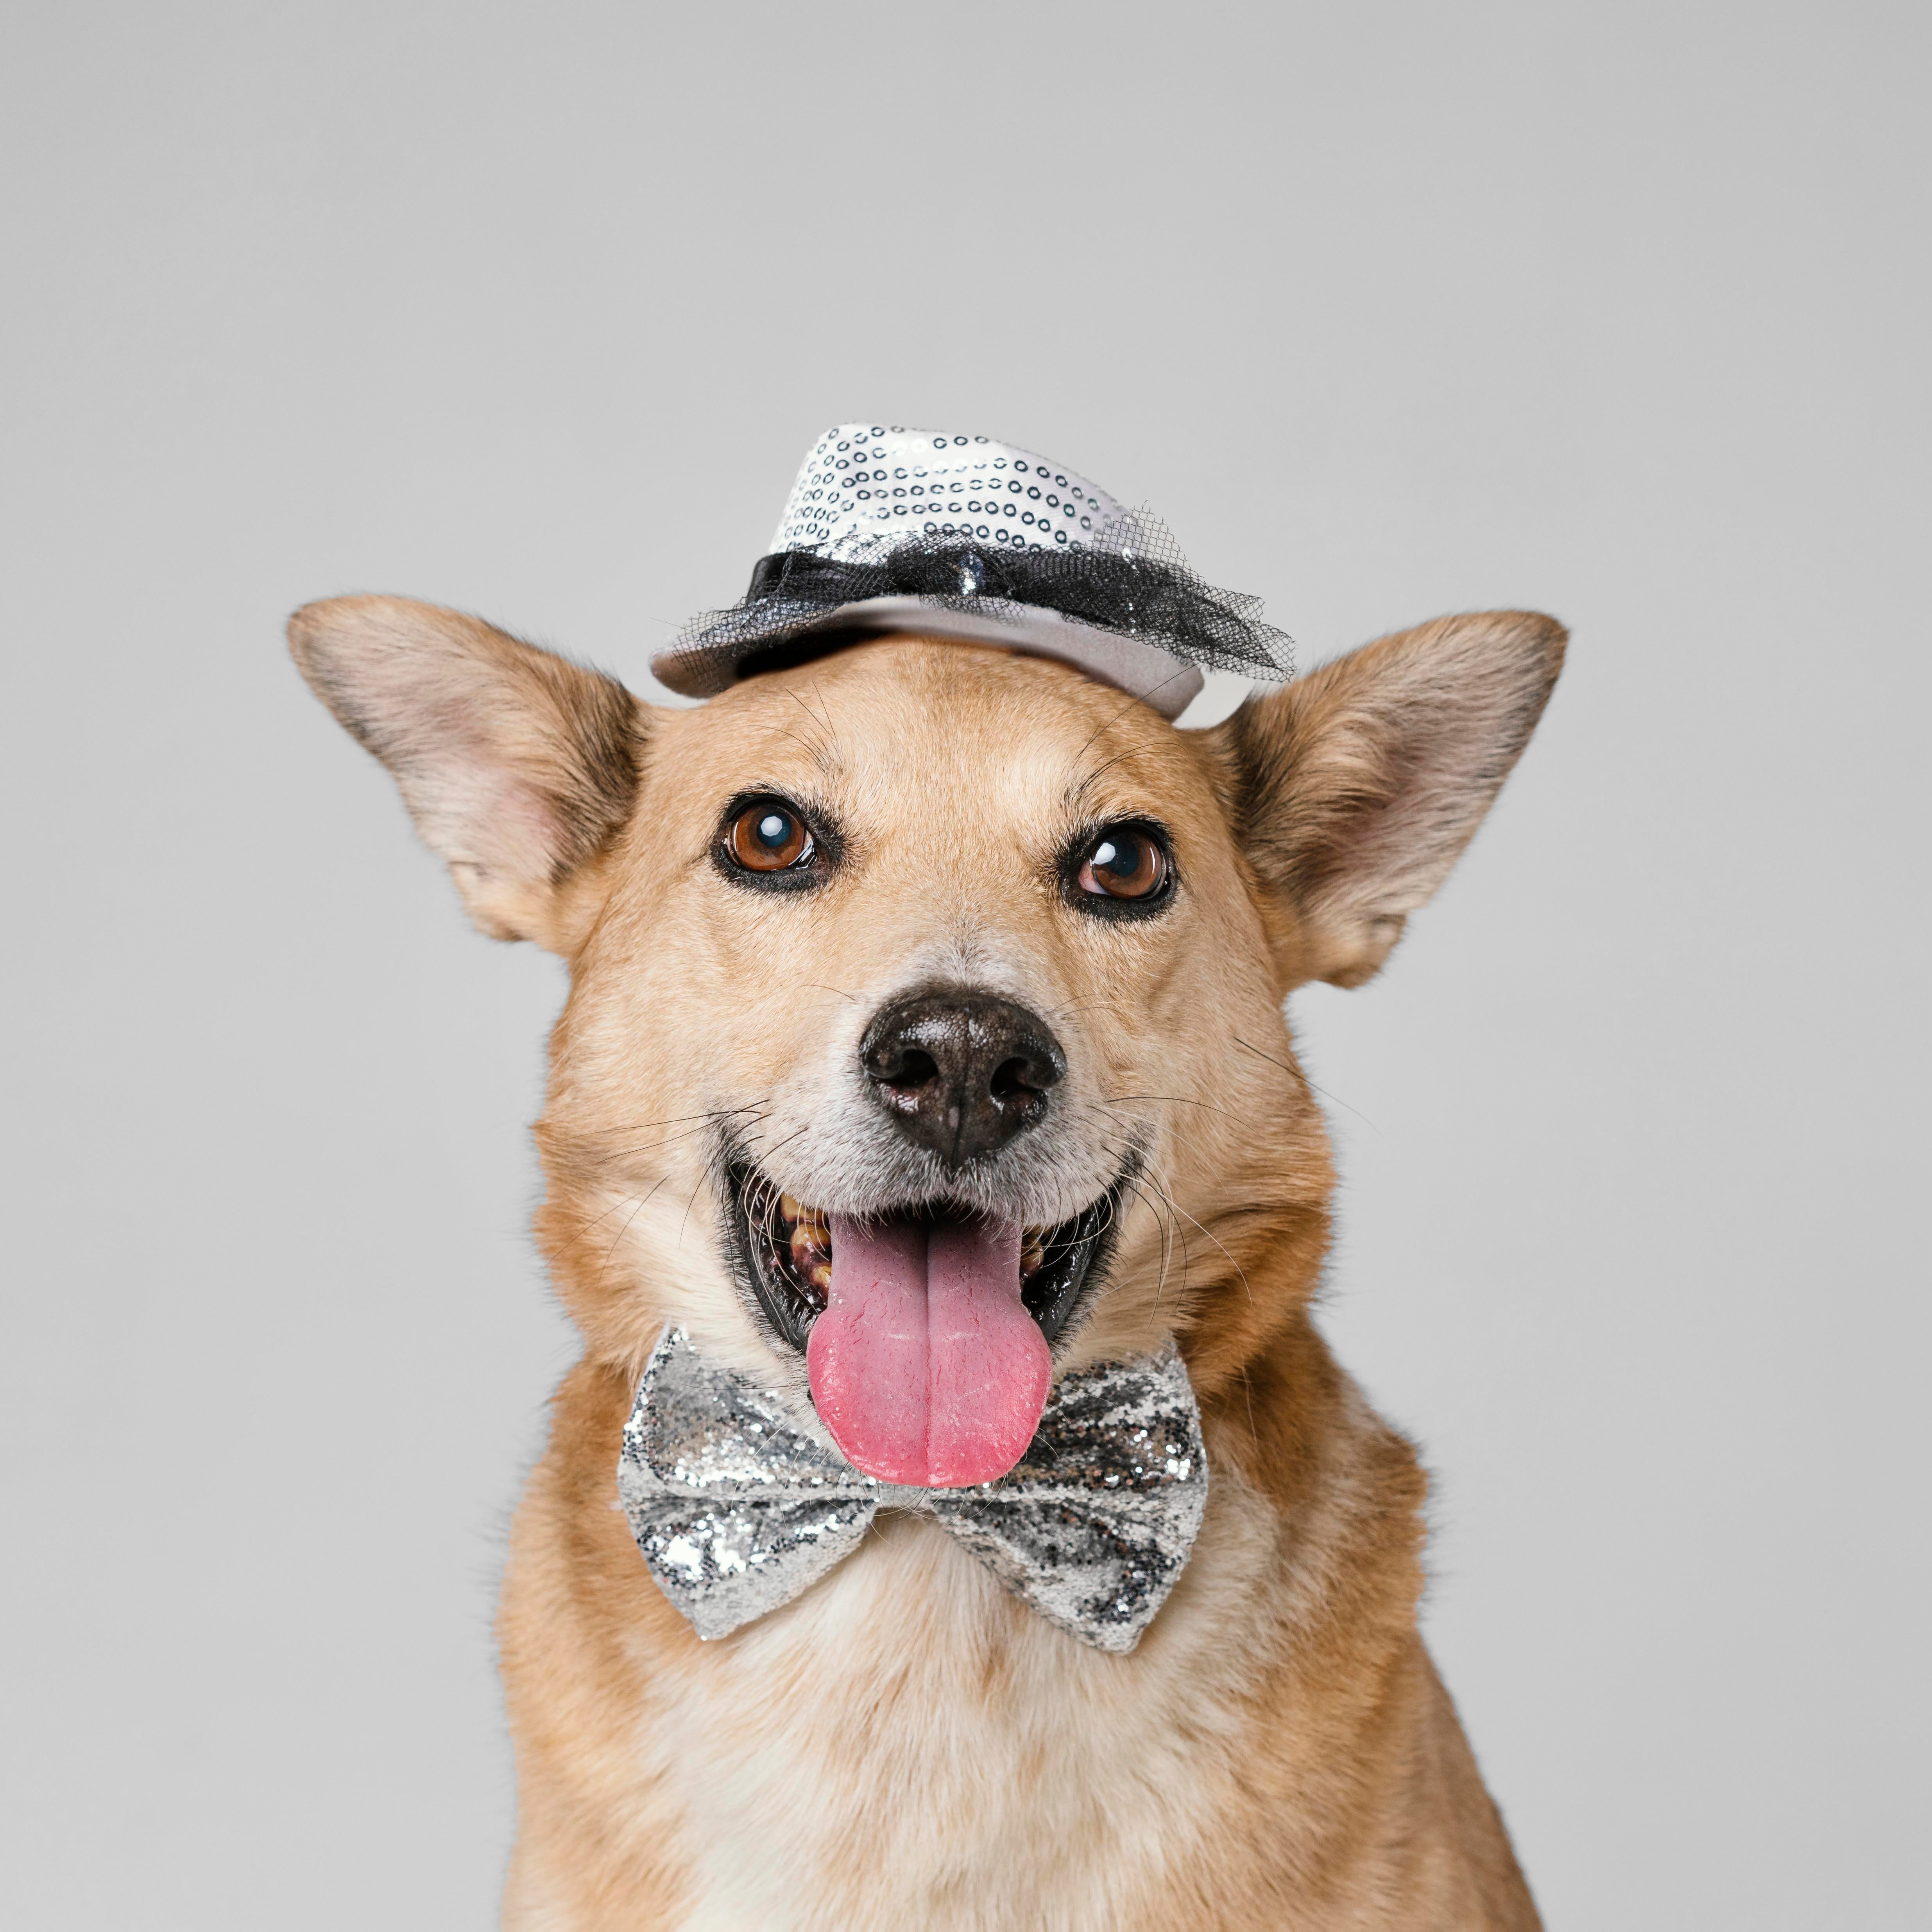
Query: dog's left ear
x,y
1354,789
517,766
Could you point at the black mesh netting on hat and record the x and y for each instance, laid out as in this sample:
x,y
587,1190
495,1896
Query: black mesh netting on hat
x,y
1132,580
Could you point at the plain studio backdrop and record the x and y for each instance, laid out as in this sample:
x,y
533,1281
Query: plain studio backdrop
x,y
1619,313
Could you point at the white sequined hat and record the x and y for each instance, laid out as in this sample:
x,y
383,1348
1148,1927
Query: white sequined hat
x,y
891,529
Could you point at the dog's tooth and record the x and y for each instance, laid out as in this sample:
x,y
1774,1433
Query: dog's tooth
x,y
788,1208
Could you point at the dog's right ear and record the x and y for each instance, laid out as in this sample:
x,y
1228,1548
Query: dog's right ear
x,y
517,765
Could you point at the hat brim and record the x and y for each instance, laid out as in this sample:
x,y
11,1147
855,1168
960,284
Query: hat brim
x,y
697,668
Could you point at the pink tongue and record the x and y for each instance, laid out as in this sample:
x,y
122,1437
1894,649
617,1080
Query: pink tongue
x,y
925,1366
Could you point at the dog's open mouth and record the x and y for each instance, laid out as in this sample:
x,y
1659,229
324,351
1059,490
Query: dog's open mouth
x,y
926,1331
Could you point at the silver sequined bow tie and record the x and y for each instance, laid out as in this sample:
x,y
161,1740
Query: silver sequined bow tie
x,y
737,1511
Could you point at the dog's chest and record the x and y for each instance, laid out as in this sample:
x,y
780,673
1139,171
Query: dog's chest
x,y
906,1744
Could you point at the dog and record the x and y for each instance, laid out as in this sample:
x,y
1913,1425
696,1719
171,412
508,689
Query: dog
x,y
921,934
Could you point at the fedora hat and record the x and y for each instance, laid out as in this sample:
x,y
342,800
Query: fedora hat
x,y
962,538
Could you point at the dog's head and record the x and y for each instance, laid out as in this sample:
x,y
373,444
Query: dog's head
x,y
924,1028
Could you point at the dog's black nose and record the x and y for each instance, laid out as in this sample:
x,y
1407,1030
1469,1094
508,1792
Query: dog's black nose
x,y
961,1073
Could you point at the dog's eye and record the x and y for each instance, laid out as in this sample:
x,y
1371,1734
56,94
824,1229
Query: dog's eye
x,y
1124,861
768,836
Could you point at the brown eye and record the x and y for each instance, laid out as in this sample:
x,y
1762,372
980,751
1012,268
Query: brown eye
x,y
1123,863
768,837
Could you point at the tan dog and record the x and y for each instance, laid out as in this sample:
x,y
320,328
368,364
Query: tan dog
x,y
751,896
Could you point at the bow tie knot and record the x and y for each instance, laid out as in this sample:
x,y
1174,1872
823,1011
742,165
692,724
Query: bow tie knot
x,y
737,1510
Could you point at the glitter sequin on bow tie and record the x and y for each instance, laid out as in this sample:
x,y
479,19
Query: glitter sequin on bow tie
x,y
736,1511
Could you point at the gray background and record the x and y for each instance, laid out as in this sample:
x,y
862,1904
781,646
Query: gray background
x,y
1620,312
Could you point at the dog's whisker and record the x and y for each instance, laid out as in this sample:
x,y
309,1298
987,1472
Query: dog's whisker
x,y
1163,1226
1308,1086
1135,700
1084,1006
1219,1244
626,1229
680,1120
589,1226
1170,1099
1139,1184
765,1153
1167,1222
647,1147
825,754
697,1187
